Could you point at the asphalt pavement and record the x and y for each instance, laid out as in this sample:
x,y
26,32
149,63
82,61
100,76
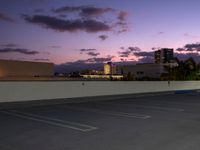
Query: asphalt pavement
x,y
160,122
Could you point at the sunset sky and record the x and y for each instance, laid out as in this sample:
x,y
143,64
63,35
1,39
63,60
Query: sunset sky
x,y
97,31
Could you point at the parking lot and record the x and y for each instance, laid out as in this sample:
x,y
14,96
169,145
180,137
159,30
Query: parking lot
x,y
159,122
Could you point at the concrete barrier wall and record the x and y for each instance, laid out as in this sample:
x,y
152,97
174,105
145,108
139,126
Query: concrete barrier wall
x,y
26,91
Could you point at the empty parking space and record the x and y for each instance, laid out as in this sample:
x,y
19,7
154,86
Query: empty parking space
x,y
143,106
50,121
126,123
110,112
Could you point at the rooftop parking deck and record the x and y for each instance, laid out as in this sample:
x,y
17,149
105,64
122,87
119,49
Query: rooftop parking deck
x,y
159,122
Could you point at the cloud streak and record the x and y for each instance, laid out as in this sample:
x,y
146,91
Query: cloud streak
x,y
194,47
144,54
87,50
90,19
4,17
129,51
61,25
103,37
182,56
18,50
93,54
9,45
85,11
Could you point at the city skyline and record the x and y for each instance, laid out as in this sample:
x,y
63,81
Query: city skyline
x,y
77,32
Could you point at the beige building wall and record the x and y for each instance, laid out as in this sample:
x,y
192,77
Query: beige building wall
x,y
107,69
10,68
142,70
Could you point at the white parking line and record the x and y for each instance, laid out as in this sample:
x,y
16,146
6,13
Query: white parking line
x,y
51,121
108,112
161,108
147,107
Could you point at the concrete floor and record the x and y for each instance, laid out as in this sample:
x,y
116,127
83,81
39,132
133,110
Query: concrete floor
x,y
163,122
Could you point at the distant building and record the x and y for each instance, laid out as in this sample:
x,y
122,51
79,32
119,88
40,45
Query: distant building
x,y
142,70
12,68
163,58
94,72
164,55
115,77
108,68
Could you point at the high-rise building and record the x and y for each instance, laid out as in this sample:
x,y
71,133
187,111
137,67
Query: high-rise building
x,y
164,55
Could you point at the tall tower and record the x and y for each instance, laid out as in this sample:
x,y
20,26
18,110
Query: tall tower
x,y
164,55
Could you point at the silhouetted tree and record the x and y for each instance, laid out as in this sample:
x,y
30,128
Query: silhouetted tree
x,y
186,70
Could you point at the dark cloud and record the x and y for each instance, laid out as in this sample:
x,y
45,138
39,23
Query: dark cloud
x,y
67,9
122,27
122,22
134,49
144,54
94,11
125,53
103,37
87,50
86,11
68,25
18,50
129,51
93,54
190,48
182,56
4,17
85,18
9,45
122,16
62,16
141,56
180,49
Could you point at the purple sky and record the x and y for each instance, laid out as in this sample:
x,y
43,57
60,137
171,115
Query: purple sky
x,y
96,31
